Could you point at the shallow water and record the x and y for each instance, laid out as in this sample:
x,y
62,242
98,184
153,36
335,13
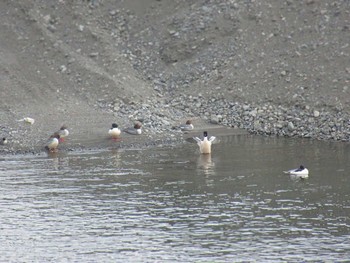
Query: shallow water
x,y
170,204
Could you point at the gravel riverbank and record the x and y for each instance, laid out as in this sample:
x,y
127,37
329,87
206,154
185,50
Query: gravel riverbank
x,y
272,68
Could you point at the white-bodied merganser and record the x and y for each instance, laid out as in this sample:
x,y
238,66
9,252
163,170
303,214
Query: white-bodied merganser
x,y
188,126
3,141
62,132
114,132
301,171
205,144
52,143
28,120
136,130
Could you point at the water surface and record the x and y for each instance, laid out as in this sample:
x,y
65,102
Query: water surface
x,y
170,204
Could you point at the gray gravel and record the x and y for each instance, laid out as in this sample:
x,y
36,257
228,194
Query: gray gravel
x,y
263,119
273,68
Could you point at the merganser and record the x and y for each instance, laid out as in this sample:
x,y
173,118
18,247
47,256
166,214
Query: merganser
x,y
136,130
28,120
205,144
3,141
52,143
188,126
301,171
114,132
62,132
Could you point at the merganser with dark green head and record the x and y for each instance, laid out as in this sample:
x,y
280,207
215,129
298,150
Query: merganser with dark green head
x,y
205,144
114,131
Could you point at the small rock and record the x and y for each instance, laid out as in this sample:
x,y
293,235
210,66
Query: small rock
x,y
253,113
113,12
93,54
291,126
165,122
246,107
214,119
63,68
279,125
51,28
47,18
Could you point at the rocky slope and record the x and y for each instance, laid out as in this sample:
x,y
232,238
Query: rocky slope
x,y
271,67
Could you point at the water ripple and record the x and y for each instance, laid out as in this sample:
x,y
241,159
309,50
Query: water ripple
x,y
166,206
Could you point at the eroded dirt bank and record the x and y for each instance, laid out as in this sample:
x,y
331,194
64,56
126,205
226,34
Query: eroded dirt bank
x,y
269,67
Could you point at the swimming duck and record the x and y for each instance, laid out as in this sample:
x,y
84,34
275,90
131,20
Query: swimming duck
x,y
62,132
301,171
188,126
3,141
205,144
114,132
52,143
136,130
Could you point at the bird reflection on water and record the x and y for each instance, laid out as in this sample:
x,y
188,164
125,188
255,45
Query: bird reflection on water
x,y
205,164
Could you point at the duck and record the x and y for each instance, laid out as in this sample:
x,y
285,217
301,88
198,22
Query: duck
x,y
3,141
205,144
62,132
136,130
188,126
301,171
28,120
52,143
114,131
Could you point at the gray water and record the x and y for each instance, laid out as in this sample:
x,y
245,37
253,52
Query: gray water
x,y
171,204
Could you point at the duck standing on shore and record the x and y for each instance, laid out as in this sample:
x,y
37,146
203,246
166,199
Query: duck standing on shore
x,y
62,132
52,143
3,141
28,120
205,144
136,130
114,131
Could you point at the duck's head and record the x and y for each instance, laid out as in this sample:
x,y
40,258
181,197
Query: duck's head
x,y
137,125
302,167
64,127
55,135
188,122
205,134
114,125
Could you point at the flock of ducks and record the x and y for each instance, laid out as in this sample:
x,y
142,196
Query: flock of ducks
x,y
114,133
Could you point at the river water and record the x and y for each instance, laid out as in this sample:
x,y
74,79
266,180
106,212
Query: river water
x,y
171,204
